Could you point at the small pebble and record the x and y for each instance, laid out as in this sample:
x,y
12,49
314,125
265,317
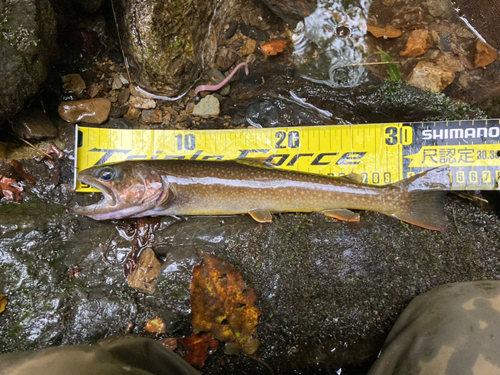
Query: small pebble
x,y
138,102
73,83
151,116
132,113
117,83
92,111
95,89
209,106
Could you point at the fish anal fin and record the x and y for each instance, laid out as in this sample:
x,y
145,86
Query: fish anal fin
x,y
261,215
341,214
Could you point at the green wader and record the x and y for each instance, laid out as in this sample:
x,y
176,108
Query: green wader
x,y
136,356
451,330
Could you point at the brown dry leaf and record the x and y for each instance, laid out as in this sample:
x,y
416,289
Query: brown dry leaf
x,y
3,303
223,304
485,55
388,31
18,166
155,325
10,189
418,43
274,47
196,348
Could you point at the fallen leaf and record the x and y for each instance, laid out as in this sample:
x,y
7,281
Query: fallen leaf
x,y
223,304
170,343
195,349
394,72
274,47
10,189
387,32
18,166
485,55
418,43
3,303
155,325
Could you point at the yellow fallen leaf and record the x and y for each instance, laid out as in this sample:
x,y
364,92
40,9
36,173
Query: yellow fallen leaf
x,y
3,303
485,55
274,47
155,325
388,31
223,304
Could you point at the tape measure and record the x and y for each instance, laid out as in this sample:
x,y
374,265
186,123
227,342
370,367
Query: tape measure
x,y
380,153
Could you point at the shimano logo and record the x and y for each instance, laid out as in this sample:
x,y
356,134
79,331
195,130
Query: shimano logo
x,y
493,132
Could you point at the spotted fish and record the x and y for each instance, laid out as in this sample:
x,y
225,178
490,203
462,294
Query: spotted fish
x,y
174,187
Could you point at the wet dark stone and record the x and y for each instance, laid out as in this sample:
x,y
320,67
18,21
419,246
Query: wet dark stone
x,y
33,124
482,16
116,56
233,26
265,113
253,33
118,123
118,111
292,11
27,46
89,6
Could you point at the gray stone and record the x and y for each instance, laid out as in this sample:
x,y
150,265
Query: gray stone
x,y
438,8
207,107
33,124
27,44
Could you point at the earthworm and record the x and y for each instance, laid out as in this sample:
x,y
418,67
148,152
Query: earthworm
x,y
220,85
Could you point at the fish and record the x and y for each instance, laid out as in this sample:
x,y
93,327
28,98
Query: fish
x,y
134,189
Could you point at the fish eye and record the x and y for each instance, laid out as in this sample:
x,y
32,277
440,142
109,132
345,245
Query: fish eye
x,y
107,174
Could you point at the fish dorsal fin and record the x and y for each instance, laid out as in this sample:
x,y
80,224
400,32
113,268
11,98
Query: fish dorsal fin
x,y
341,214
261,215
354,177
255,162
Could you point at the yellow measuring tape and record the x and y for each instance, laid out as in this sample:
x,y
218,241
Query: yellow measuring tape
x,y
380,153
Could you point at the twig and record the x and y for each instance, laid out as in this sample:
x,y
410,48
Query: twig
x,y
375,63
261,362
120,41
31,145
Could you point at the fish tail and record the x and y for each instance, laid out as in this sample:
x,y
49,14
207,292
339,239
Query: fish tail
x,y
426,204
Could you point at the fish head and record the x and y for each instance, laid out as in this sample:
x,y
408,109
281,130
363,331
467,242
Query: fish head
x,y
128,189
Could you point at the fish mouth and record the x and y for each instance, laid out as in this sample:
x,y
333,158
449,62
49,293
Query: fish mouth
x,y
107,202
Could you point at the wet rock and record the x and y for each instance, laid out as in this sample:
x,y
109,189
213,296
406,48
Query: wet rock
x,y
73,83
431,76
485,55
27,45
418,43
89,6
292,11
151,116
217,77
26,152
117,111
225,58
438,8
207,107
95,89
132,113
33,124
231,30
3,151
253,33
145,274
138,102
265,114
119,123
453,62
92,111
388,3
482,17
123,96
117,82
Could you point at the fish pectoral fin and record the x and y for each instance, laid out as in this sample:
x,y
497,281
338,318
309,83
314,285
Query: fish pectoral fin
x,y
354,177
341,214
261,215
